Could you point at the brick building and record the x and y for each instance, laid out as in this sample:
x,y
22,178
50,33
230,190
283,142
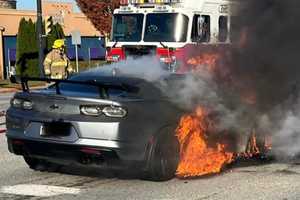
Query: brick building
x,y
8,4
62,13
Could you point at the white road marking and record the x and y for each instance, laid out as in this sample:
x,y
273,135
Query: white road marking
x,y
38,190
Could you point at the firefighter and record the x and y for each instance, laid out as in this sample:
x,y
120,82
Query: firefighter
x,y
56,64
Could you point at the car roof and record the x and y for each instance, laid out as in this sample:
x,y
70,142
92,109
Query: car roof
x,y
106,79
147,89
107,76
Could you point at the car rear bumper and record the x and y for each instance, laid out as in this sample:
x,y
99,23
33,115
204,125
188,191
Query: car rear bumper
x,y
81,134
20,144
62,154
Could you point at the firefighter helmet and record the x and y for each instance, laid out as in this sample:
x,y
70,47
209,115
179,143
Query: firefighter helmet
x,y
58,44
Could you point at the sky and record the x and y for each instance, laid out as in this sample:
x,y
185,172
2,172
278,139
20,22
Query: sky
x,y
31,4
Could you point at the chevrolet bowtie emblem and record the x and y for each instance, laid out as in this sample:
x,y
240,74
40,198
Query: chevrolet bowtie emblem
x,y
54,107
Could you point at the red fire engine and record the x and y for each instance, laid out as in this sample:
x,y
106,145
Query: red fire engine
x,y
169,29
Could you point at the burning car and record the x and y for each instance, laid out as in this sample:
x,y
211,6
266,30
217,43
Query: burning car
x,y
95,120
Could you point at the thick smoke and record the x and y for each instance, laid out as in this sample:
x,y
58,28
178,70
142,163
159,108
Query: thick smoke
x,y
256,85
146,67
267,62
259,86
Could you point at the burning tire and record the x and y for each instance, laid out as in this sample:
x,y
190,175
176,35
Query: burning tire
x,y
163,157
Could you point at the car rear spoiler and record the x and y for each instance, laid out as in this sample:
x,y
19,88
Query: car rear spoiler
x,y
102,86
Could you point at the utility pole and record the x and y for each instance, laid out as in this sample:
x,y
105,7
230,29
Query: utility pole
x,y
39,29
2,29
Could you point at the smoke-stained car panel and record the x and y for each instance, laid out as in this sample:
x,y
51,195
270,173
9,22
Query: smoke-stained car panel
x,y
115,121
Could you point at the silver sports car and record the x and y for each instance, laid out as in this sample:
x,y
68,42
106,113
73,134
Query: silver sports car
x,y
95,120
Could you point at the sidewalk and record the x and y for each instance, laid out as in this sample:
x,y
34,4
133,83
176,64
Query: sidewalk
x,y
14,89
8,90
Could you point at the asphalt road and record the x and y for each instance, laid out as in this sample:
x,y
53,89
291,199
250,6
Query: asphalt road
x,y
244,180
4,100
4,103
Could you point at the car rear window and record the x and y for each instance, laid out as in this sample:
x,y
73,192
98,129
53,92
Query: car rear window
x,y
71,89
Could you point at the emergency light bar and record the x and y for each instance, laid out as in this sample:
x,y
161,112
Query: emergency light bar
x,y
127,2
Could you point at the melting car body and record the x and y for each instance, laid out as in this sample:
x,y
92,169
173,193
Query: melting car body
x,y
90,119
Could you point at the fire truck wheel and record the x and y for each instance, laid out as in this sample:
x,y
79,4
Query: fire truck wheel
x,y
164,157
41,165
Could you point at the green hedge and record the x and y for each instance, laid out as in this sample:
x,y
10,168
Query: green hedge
x,y
27,48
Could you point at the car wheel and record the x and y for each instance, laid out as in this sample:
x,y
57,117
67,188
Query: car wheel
x,y
41,165
164,157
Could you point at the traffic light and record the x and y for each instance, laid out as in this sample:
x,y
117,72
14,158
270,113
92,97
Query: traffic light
x,y
48,25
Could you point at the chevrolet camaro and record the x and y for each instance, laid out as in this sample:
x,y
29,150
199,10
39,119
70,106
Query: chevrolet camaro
x,y
95,119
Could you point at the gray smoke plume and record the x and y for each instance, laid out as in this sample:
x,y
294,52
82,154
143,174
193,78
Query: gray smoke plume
x,y
267,62
146,67
262,65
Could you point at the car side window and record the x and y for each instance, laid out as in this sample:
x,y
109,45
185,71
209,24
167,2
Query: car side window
x,y
223,28
78,89
201,28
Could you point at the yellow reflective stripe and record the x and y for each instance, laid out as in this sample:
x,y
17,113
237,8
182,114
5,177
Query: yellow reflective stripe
x,y
70,69
48,60
57,76
59,63
47,71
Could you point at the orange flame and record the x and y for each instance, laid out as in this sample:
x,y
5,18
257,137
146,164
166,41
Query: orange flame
x,y
268,143
252,148
206,61
197,158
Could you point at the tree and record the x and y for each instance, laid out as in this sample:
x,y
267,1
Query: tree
x,y
99,12
27,49
32,52
21,43
56,32
27,52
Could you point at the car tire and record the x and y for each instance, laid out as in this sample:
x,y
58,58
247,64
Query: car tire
x,y
164,156
41,165
31,162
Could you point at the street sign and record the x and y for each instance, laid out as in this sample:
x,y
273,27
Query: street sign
x,y
76,37
76,40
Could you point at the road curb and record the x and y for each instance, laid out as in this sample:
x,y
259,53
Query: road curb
x,y
8,90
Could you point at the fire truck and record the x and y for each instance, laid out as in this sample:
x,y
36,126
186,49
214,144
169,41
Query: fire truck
x,y
169,29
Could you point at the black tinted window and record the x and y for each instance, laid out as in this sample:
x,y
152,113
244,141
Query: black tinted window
x,y
70,89
223,28
127,27
166,27
79,90
201,28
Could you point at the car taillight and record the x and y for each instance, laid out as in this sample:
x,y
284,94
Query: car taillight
x,y
109,111
90,110
27,105
17,103
23,104
113,111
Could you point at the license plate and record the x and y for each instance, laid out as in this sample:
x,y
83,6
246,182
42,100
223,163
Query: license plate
x,y
56,129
